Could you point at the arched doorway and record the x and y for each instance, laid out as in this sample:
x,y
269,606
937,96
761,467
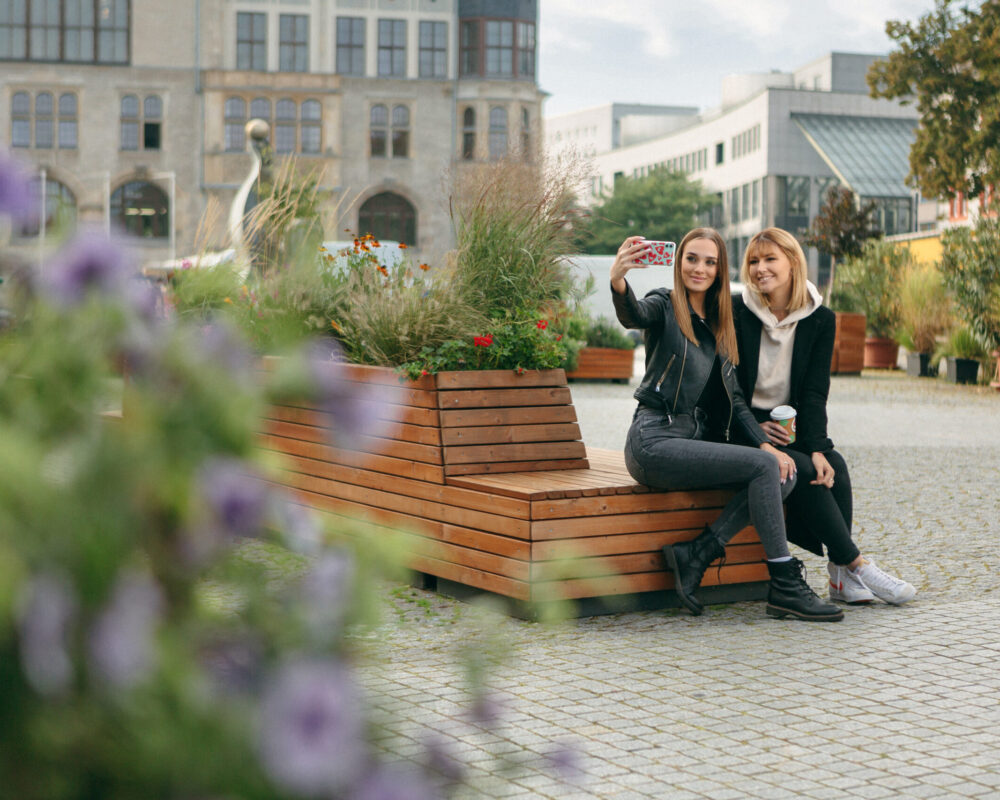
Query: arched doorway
x,y
141,209
389,216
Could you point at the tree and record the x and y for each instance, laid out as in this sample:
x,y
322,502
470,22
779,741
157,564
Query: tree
x,y
662,205
947,64
842,226
970,262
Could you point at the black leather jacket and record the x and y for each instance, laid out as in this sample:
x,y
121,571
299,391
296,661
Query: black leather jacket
x,y
676,369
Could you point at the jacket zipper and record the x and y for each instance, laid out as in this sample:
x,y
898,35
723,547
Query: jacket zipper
x,y
663,377
680,377
730,396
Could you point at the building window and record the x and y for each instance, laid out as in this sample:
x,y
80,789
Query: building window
x,y
141,209
400,132
379,130
44,137
141,130
797,197
312,131
67,121
719,152
498,133
499,48
526,49
468,134
433,49
351,45
285,114
86,31
468,56
60,209
389,217
20,120
235,122
293,42
392,48
260,108
251,41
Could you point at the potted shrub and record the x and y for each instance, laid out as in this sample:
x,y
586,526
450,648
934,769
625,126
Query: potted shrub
x,y
607,352
924,314
962,354
870,283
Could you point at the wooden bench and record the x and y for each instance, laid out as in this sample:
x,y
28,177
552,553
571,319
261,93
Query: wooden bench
x,y
488,479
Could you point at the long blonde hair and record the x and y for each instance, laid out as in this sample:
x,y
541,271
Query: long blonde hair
x,y
718,301
788,245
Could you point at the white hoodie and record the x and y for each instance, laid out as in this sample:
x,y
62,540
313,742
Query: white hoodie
x,y
774,367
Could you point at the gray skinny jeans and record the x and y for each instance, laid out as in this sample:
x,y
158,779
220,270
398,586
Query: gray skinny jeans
x,y
661,460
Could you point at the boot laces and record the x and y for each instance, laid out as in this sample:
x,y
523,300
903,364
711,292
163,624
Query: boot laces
x,y
803,575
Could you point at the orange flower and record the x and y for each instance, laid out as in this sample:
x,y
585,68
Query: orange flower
x,y
402,246
227,300
335,326
425,267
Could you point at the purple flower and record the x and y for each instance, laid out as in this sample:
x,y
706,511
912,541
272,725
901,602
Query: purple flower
x,y
236,497
355,409
325,591
394,783
18,193
122,644
90,262
312,729
221,345
564,761
298,524
234,663
47,610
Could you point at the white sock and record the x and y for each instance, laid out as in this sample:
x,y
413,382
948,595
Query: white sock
x,y
780,560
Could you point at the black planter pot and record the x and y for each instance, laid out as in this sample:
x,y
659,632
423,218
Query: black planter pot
x,y
919,365
962,370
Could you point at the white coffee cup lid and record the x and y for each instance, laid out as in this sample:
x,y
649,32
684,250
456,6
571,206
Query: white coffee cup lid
x,y
782,412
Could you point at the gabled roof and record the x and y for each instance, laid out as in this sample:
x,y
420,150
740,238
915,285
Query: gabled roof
x,y
870,155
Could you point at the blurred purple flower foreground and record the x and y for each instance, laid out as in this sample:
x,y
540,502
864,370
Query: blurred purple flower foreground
x,y
48,608
90,262
236,497
18,196
312,729
123,640
356,409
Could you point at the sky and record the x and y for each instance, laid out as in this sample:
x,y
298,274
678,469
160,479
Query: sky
x,y
676,52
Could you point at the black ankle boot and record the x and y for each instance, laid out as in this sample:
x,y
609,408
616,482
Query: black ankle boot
x,y
790,594
689,560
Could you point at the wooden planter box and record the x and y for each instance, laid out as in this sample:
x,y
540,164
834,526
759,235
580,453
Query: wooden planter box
x,y
603,363
848,344
881,353
493,490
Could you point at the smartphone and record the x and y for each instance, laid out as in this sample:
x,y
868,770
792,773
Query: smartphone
x,y
658,253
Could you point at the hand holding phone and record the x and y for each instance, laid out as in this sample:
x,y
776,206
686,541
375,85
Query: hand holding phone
x,y
657,253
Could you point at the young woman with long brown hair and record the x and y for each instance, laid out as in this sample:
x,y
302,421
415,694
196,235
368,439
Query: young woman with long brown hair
x,y
689,405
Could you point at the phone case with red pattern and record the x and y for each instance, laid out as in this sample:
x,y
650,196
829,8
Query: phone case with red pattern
x,y
658,254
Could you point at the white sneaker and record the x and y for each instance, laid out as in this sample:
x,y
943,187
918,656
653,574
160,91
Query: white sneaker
x,y
846,587
885,586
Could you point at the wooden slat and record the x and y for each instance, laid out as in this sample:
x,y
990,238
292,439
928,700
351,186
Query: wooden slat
x,y
522,415
510,434
621,523
504,398
434,492
362,444
363,373
628,503
618,544
639,582
531,451
392,466
490,379
466,557
625,563
506,587
418,434
603,363
513,466
410,506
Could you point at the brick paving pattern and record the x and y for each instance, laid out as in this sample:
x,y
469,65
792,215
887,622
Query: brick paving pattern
x,y
891,702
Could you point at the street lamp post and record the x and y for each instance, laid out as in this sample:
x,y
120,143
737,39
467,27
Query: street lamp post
x,y
171,176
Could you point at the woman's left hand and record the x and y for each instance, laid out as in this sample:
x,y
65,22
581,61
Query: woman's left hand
x,y
824,472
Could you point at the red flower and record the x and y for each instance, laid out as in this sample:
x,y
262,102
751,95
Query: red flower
x,y
559,338
520,370
424,372
542,325
482,341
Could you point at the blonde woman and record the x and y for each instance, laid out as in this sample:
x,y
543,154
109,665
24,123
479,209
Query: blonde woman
x,y
689,403
785,345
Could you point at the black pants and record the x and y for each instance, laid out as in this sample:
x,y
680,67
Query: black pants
x,y
817,513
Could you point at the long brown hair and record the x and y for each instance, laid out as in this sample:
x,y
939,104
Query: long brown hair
x,y
718,301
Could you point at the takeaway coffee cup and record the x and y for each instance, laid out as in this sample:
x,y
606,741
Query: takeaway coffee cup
x,y
785,417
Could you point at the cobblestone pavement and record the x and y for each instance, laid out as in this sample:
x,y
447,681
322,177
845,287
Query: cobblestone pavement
x,y
891,702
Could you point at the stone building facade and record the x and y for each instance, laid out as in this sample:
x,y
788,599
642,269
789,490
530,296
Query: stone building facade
x,y
134,110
